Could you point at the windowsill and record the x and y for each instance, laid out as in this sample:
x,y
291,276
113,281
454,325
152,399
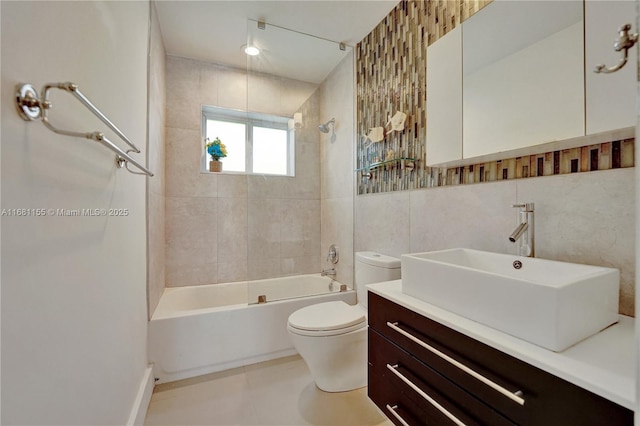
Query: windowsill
x,y
223,172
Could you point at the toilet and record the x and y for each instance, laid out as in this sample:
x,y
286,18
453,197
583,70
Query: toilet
x,y
331,337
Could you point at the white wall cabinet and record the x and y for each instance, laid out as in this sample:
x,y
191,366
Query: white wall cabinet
x,y
444,98
493,87
523,76
611,98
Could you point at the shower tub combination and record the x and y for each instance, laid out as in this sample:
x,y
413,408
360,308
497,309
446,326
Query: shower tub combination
x,y
203,329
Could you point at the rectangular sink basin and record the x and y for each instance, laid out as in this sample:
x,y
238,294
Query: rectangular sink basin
x,y
549,303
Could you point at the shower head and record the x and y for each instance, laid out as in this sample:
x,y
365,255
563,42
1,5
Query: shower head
x,y
324,128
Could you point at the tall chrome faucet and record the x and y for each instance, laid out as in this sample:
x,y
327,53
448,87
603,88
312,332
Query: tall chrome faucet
x,y
524,234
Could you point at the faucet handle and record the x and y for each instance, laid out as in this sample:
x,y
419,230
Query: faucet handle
x,y
527,207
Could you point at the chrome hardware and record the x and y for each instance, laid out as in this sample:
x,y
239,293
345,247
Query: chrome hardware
x,y
366,176
517,264
393,369
396,415
514,396
333,256
518,232
330,272
525,228
624,42
31,107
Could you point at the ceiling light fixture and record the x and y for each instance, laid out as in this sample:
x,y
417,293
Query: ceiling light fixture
x,y
251,50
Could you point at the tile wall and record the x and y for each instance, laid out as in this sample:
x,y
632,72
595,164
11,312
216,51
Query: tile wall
x,y
614,154
584,218
391,67
391,76
156,159
226,227
337,179
580,217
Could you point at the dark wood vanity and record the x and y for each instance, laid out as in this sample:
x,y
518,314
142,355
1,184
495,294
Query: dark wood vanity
x,y
424,373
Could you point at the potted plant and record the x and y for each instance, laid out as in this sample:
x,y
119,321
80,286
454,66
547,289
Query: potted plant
x,y
216,150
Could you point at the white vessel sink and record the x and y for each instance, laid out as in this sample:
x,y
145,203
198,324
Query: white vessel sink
x,y
549,303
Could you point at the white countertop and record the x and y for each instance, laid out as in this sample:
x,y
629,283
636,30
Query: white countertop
x,y
603,364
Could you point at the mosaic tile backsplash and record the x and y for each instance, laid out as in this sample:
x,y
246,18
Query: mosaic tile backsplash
x,y
391,77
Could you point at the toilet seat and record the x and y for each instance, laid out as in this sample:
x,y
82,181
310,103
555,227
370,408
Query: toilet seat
x,y
327,319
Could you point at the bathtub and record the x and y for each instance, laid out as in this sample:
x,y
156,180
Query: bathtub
x,y
204,329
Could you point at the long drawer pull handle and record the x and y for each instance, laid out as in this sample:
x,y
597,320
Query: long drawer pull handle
x,y
396,415
430,400
517,396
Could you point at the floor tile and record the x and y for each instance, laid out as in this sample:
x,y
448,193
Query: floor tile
x,y
279,392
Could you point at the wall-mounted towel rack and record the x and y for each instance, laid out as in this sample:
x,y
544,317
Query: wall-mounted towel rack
x,y
31,107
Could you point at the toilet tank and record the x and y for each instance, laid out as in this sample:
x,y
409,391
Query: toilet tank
x,y
372,267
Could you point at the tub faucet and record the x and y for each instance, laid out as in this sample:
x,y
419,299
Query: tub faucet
x,y
524,234
326,272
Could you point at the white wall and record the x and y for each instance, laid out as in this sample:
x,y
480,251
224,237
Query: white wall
x,y
73,288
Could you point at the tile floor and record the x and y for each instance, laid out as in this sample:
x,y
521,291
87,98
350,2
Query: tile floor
x,y
279,392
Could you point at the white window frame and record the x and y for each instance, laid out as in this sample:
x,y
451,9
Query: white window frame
x,y
249,119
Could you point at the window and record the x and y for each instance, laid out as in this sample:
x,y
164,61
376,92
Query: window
x,y
256,143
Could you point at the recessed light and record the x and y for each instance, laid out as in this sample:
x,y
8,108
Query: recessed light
x,y
251,50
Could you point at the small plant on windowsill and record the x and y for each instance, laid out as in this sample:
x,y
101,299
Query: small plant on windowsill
x,y
216,150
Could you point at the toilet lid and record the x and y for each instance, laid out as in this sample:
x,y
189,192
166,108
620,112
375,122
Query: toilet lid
x,y
327,316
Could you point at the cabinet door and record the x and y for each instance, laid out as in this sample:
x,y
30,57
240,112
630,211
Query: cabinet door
x,y
523,75
444,98
611,98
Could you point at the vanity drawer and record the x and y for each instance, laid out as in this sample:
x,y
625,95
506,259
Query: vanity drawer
x,y
429,397
521,392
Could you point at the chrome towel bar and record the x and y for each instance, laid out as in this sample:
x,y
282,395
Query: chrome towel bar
x,y
31,107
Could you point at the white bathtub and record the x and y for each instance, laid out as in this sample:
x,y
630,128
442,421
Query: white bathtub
x,y
203,329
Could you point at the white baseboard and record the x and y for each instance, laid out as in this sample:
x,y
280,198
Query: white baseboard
x,y
222,366
143,398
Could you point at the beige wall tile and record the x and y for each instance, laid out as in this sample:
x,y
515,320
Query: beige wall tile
x,y
186,275
382,223
337,228
264,229
299,265
156,186
183,159
232,239
587,218
300,229
471,216
259,220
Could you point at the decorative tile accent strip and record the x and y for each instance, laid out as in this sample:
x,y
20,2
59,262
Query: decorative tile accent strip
x,y
603,156
391,73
